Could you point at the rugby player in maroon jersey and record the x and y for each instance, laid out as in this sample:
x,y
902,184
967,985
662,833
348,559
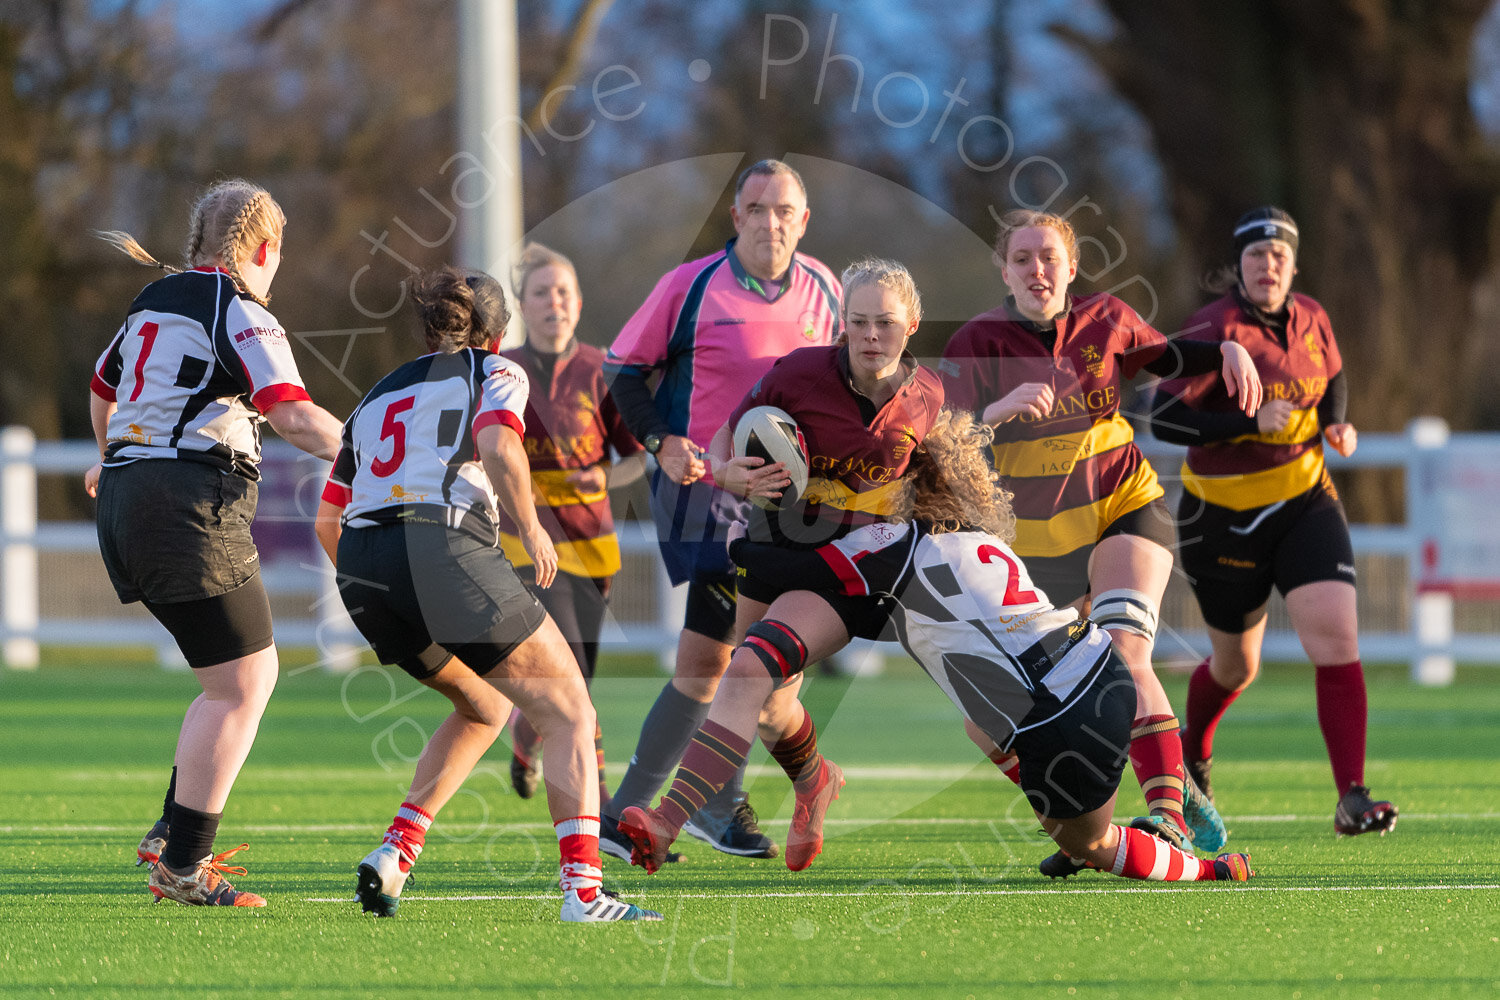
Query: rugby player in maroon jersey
x,y
705,333
1033,677
1258,509
572,427
862,407
1046,370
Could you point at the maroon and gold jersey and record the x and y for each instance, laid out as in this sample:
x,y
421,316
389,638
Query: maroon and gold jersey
x,y
854,467
1076,470
571,424
1255,470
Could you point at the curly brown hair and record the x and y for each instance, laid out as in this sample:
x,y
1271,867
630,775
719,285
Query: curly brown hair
x,y
950,484
459,308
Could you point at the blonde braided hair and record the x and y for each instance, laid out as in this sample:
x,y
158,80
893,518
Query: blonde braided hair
x,y
228,221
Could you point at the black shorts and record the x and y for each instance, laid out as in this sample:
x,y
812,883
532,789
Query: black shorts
x,y
577,605
1065,578
1071,764
218,629
176,530
711,607
864,616
1233,558
420,593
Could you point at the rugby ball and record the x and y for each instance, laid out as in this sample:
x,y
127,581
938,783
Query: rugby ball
x,y
770,433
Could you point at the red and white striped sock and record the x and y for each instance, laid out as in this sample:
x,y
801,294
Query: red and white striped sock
x,y
1142,856
408,832
578,844
1008,763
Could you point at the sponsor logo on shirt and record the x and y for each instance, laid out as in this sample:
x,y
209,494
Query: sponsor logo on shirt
x,y
136,434
399,494
255,333
1314,349
1090,402
729,321
809,320
907,443
507,374
837,467
1311,387
1093,361
1013,625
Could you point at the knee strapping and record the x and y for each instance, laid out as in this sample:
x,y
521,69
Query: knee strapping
x,y
780,649
1126,610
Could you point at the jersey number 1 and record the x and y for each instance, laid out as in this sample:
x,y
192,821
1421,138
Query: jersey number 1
x,y
148,335
395,430
988,553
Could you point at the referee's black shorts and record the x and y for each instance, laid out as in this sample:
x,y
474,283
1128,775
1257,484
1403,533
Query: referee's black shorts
x,y
1233,558
421,593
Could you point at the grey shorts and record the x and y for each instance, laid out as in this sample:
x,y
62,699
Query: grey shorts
x,y
176,530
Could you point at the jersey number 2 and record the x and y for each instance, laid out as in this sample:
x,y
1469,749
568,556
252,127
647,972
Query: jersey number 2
x,y
988,553
393,429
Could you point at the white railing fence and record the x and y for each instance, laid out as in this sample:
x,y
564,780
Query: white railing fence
x,y
53,589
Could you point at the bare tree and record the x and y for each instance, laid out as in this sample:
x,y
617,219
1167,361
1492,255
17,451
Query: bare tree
x,y
1354,116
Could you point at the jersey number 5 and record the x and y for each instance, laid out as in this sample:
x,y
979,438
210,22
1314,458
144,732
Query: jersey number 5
x,y
987,554
394,430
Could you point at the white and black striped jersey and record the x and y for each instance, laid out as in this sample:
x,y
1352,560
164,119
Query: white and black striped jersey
x,y
966,610
191,372
409,447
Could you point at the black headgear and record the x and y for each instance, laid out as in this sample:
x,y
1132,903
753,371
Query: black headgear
x,y
1265,223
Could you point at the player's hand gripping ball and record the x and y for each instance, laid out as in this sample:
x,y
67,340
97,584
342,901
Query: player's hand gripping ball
x,y
770,433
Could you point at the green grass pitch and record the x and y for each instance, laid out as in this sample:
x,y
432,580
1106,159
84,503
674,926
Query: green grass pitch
x,y
927,886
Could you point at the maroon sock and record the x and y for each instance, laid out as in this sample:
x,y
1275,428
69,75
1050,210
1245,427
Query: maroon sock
x,y
712,758
798,753
1156,756
1207,701
1343,710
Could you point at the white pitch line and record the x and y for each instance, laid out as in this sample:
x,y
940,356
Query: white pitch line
x,y
981,770
903,894
841,822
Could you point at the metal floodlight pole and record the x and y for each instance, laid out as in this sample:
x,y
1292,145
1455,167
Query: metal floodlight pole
x,y
489,140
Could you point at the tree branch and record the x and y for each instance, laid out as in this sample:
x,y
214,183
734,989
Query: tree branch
x,y
581,35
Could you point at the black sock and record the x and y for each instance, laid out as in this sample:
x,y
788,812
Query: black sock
x,y
669,727
166,805
192,837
